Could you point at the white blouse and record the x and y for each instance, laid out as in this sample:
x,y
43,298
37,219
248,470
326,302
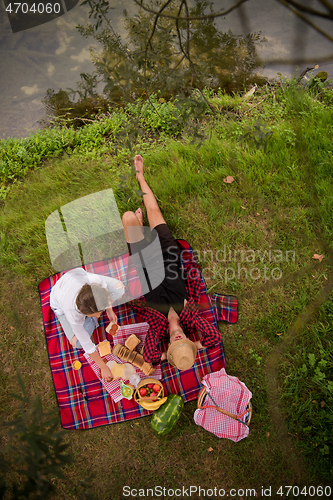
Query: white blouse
x,y
63,300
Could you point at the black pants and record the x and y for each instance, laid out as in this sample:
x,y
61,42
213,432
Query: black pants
x,y
171,291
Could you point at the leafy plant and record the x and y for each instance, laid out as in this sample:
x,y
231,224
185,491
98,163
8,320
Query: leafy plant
x,y
36,447
310,388
255,356
35,451
62,109
169,54
259,135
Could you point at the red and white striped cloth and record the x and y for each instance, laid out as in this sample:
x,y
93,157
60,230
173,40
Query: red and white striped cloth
x,y
113,387
231,395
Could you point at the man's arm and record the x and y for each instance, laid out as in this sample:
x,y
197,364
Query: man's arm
x,y
198,344
210,335
157,324
150,352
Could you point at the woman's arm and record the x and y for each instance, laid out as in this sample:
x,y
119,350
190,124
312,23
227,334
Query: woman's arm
x,y
115,287
105,370
111,314
90,349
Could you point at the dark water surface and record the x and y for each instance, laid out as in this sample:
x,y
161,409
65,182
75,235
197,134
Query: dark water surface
x,y
54,54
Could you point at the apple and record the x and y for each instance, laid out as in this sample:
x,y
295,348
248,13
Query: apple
x,y
150,386
143,391
156,388
153,395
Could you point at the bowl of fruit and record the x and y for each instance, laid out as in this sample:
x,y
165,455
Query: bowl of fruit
x,y
150,394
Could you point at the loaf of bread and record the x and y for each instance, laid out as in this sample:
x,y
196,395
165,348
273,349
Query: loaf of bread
x,y
125,354
147,369
132,356
138,361
116,349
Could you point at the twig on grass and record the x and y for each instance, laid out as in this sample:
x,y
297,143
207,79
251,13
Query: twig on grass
x,y
255,105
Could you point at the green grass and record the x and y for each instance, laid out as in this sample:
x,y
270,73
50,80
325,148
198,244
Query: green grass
x,y
280,201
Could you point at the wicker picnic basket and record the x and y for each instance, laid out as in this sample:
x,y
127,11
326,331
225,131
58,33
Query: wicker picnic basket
x,y
138,398
247,414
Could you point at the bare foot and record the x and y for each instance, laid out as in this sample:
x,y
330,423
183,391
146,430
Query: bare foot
x,y
139,215
73,341
138,162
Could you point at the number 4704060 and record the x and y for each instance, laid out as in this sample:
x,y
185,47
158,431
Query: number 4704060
x,y
39,8
308,491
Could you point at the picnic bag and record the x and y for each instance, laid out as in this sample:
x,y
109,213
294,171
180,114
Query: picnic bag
x,y
224,406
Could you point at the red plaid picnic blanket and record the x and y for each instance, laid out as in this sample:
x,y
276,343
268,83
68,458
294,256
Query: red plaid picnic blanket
x,y
83,401
113,388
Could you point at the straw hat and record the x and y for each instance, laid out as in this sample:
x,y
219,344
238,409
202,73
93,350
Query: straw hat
x,y
182,353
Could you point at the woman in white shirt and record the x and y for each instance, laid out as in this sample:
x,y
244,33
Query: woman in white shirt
x,y
78,299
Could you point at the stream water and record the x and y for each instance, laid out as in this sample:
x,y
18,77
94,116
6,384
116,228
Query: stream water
x,y
54,54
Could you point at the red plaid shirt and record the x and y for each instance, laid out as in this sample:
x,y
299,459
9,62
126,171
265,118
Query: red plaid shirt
x,y
189,320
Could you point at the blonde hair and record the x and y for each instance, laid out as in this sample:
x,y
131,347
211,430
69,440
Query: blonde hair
x,y
92,299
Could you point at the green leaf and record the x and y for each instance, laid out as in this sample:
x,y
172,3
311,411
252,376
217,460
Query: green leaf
x,y
312,360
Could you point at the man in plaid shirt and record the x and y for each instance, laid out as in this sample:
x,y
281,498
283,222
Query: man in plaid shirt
x,y
171,308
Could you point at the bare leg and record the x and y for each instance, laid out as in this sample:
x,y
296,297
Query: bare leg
x,y
132,223
154,213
